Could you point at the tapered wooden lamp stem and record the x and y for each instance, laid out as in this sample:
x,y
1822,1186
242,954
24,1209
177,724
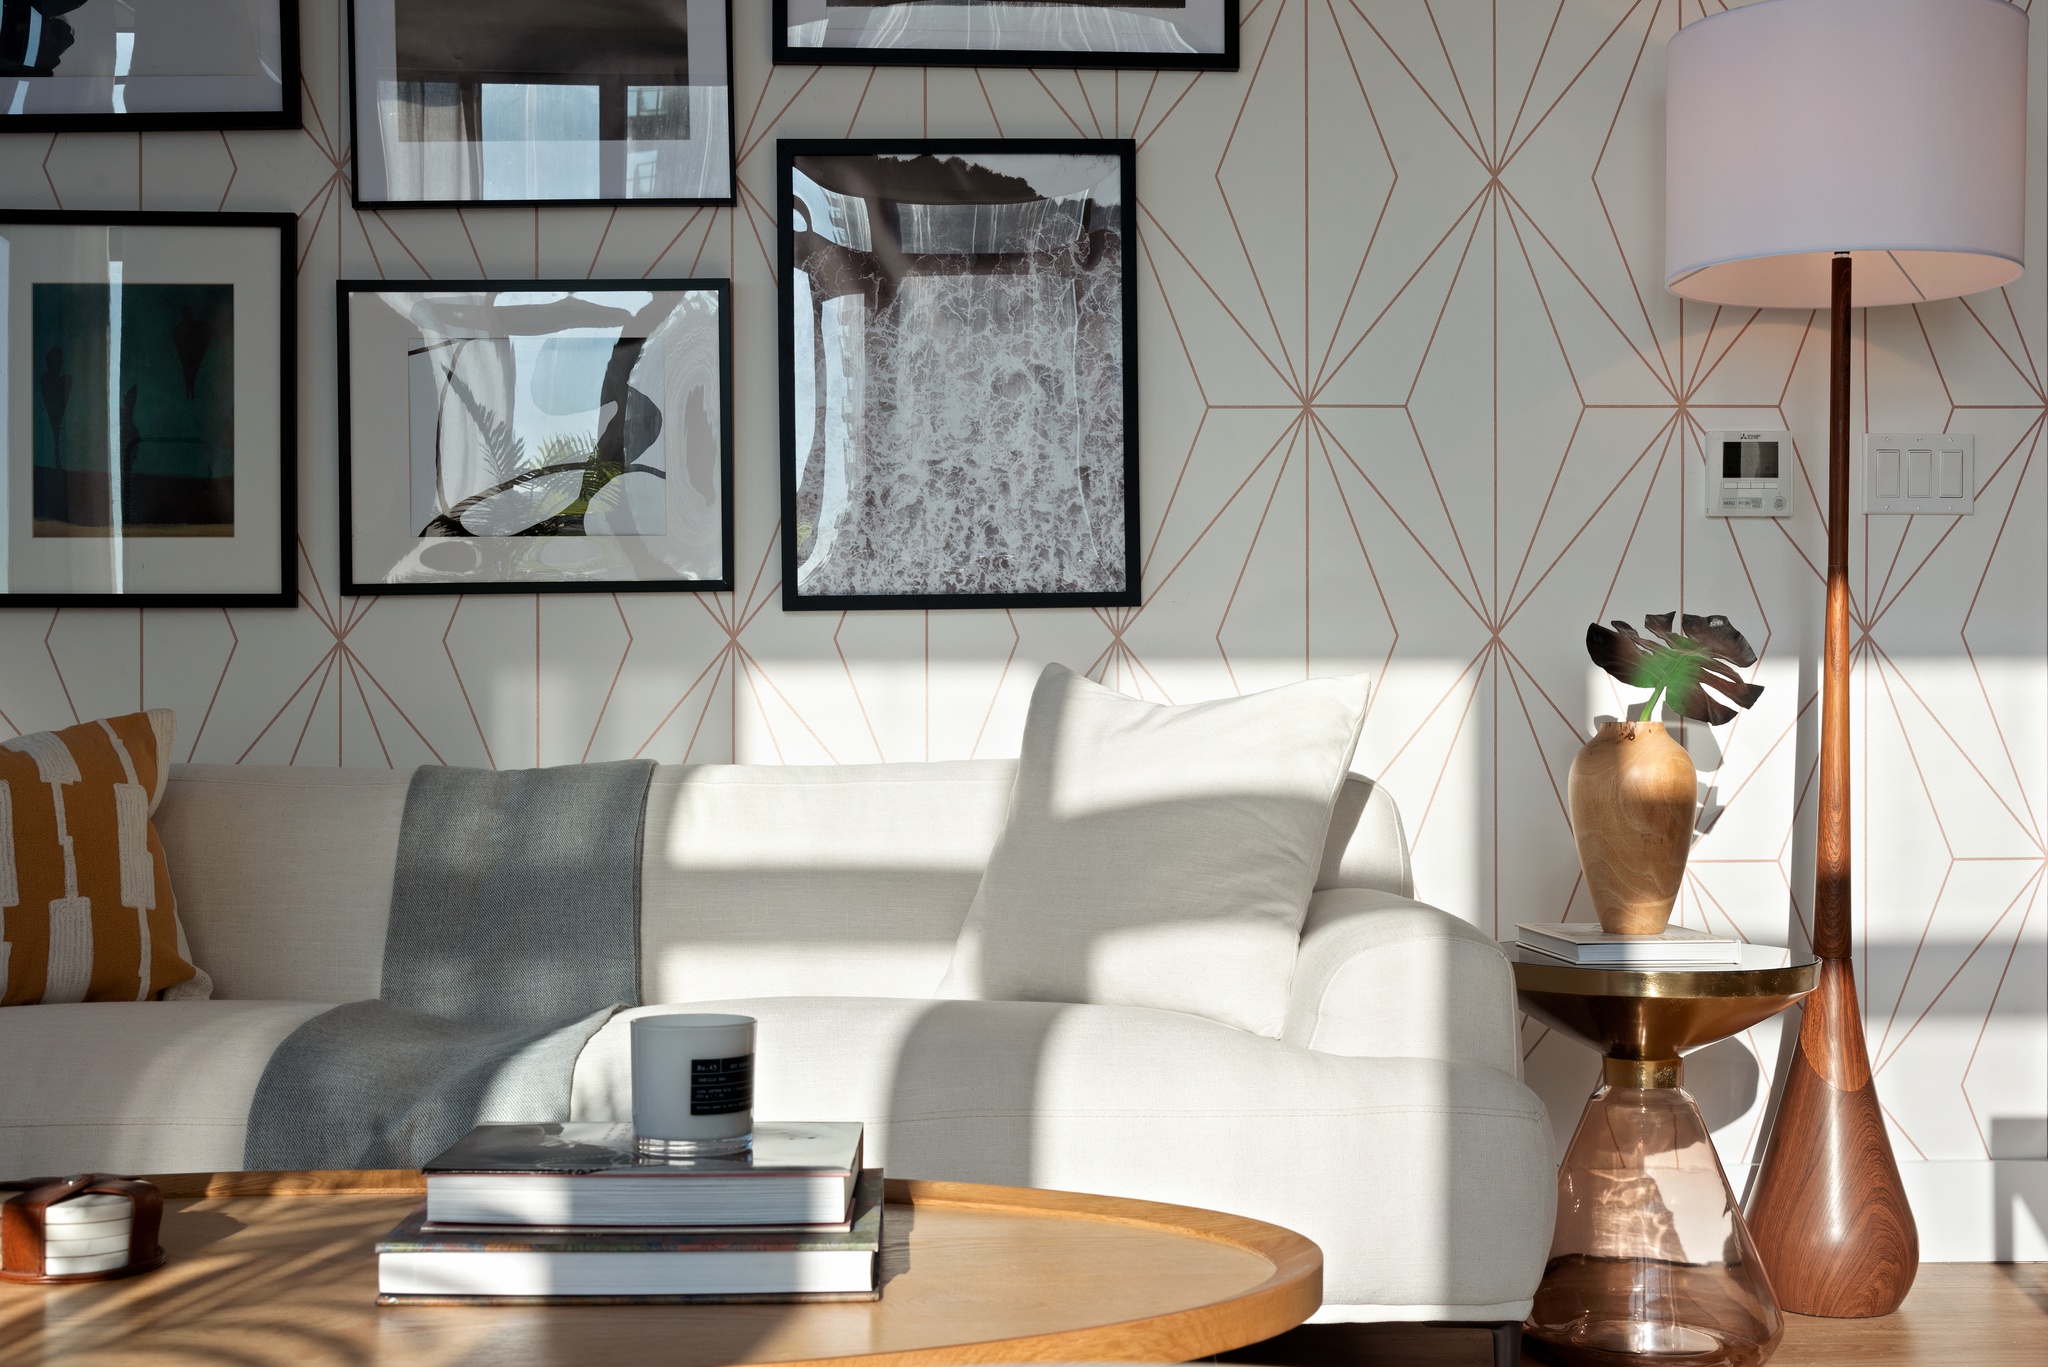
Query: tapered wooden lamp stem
x,y
1828,1211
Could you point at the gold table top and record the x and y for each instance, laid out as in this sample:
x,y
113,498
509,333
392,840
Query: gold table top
x,y
1657,1013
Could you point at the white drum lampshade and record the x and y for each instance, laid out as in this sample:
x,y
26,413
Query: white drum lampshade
x,y
1894,130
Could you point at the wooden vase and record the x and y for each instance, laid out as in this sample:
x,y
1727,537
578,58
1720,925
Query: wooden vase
x,y
1632,796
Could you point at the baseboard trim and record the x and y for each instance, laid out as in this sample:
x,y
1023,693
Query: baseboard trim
x,y
1986,1210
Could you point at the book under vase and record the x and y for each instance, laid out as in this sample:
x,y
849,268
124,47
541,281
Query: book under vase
x,y
1675,946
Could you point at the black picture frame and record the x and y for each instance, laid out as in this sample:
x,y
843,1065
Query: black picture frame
x,y
1124,150
289,114
355,586
285,347
1229,59
611,86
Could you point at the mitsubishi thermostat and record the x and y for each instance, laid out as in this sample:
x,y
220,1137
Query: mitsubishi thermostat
x,y
1749,474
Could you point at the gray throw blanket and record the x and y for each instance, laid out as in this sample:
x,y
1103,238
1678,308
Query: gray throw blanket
x,y
514,935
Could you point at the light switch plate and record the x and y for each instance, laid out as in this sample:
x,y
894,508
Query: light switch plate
x,y
1919,472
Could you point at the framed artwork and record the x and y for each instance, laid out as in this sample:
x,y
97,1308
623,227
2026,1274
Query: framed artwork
x,y
463,102
83,66
147,374
536,436
1197,35
959,379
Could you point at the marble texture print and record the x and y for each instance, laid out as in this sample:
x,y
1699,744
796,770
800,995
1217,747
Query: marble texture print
x,y
959,386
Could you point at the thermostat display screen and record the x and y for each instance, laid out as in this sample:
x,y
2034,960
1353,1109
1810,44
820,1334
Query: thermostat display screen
x,y
1749,460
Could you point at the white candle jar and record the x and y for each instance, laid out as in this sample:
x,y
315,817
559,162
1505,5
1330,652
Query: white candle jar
x,y
693,1085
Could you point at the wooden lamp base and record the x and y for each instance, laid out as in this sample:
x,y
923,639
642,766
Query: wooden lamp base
x,y
1829,1213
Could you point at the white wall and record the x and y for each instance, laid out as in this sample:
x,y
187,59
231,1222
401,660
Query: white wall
x,y
1414,402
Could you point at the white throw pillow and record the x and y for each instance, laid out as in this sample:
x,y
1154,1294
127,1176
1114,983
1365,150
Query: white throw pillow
x,y
1160,856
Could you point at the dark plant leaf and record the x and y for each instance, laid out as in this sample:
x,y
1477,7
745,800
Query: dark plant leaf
x,y
1696,704
1671,670
1660,623
1723,681
1721,639
1682,665
1715,634
1625,629
1618,654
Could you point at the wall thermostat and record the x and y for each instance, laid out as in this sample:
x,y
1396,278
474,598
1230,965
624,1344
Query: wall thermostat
x,y
1749,474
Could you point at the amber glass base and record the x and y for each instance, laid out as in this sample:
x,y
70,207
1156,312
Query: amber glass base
x,y
1651,1261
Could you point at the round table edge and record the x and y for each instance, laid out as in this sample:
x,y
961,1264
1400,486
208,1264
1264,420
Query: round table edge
x,y
1287,1297
1603,980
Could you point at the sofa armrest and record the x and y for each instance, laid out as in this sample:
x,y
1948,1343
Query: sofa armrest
x,y
1381,976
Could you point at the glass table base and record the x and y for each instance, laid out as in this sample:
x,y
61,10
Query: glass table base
x,y
1651,1262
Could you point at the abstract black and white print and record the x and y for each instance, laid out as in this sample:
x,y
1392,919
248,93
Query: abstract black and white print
x,y
1129,33
163,59
958,332
550,435
540,101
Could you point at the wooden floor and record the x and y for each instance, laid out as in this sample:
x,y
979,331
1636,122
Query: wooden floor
x,y
1959,1315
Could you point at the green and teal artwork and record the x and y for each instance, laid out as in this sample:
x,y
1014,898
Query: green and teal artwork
x,y
134,397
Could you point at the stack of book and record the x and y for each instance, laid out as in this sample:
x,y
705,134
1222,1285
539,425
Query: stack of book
x,y
526,1213
1588,944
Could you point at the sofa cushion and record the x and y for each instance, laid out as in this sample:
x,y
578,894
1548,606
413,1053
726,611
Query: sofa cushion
x,y
1426,1182
1160,856
285,875
802,880
89,914
757,880
134,1087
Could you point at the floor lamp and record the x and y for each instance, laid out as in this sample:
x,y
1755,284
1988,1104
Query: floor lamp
x,y
1837,154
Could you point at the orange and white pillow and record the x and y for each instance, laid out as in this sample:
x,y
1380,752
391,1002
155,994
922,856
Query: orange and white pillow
x,y
85,897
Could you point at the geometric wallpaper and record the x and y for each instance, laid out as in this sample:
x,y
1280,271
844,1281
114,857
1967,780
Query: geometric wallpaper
x,y
1414,402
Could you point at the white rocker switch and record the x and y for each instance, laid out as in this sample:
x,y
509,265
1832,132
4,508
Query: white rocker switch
x,y
1920,472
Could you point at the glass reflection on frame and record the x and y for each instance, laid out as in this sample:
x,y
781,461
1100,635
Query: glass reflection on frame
x,y
148,65
535,436
959,399
535,102
1189,35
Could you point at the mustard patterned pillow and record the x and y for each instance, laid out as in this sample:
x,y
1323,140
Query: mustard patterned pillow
x,y
85,896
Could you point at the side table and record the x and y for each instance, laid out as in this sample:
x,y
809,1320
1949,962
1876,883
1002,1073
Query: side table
x,y
1651,1262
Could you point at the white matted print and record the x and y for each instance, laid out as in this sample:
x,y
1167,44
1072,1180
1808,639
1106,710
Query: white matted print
x,y
542,101
543,435
959,398
147,372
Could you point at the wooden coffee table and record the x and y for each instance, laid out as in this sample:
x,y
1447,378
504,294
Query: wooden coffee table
x,y
278,1268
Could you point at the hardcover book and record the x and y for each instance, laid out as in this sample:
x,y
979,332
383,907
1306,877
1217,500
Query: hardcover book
x,y
579,1173
418,1263
1588,944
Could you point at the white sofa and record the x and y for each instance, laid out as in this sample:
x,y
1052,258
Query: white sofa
x,y
1389,1123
